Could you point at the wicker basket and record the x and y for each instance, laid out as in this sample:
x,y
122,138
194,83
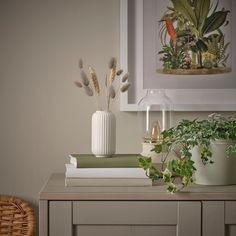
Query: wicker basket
x,y
16,217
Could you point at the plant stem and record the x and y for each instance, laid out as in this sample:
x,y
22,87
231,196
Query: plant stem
x,y
164,160
108,102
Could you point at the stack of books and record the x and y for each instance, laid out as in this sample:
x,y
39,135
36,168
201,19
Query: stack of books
x,y
119,170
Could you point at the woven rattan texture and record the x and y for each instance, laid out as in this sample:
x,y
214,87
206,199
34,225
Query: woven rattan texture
x,y
16,217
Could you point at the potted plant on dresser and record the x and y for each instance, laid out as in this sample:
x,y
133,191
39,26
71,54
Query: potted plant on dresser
x,y
205,153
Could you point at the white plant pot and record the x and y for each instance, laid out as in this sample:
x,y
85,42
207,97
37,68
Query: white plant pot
x,y
103,134
221,172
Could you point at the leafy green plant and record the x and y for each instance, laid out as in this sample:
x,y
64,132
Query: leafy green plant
x,y
180,140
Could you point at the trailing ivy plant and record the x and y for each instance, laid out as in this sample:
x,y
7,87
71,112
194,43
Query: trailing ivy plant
x,y
180,140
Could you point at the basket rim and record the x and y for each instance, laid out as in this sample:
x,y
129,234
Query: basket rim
x,y
23,206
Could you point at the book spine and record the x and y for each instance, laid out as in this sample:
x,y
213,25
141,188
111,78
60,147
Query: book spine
x,y
113,162
73,172
76,182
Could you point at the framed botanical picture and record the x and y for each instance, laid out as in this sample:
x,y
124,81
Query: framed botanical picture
x,y
184,47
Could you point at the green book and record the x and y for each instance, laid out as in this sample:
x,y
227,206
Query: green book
x,y
116,161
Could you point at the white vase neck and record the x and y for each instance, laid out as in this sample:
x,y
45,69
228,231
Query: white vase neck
x,y
104,111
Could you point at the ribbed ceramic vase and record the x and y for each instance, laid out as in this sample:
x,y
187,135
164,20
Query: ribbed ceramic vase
x,y
103,134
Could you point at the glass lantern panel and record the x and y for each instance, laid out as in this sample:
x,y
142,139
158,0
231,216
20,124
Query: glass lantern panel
x,y
154,114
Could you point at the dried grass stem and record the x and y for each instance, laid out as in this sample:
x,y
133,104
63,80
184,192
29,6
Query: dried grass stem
x,y
95,80
125,87
88,91
111,89
80,64
125,77
78,84
84,78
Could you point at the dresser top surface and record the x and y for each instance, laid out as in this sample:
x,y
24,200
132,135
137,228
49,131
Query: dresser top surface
x,y
55,189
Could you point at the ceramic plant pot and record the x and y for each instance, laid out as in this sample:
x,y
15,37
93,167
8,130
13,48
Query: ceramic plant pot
x,y
221,172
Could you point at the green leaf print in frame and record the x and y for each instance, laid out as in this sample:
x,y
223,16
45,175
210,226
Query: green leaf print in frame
x,y
192,36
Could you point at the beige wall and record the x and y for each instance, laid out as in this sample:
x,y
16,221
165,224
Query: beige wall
x,y
43,116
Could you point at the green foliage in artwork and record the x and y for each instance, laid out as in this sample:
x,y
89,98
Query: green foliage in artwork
x,y
186,10
214,22
198,25
218,49
172,58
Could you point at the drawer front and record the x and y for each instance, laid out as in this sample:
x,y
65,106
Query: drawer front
x,y
121,230
230,212
125,212
60,218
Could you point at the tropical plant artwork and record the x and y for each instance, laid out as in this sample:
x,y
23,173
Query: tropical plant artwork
x,y
193,39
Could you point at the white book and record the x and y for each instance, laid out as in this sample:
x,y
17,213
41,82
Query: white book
x,y
107,182
73,160
73,172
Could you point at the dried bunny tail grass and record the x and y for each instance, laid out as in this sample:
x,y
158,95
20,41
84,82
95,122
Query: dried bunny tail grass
x,y
112,92
95,80
112,63
88,91
84,78
112,66
125,77
125,87
80,64
106,81
78,84
112,74
119,72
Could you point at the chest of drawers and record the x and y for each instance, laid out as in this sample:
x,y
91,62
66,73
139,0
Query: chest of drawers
x,y
136,211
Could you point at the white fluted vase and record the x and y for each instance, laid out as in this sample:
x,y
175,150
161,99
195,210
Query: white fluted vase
x,y
103,133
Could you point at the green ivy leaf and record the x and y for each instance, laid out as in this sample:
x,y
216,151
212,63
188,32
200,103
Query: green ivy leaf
x,y
157,148
231,149
167,174
171,188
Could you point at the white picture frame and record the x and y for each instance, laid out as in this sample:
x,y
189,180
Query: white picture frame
x,y
131,59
